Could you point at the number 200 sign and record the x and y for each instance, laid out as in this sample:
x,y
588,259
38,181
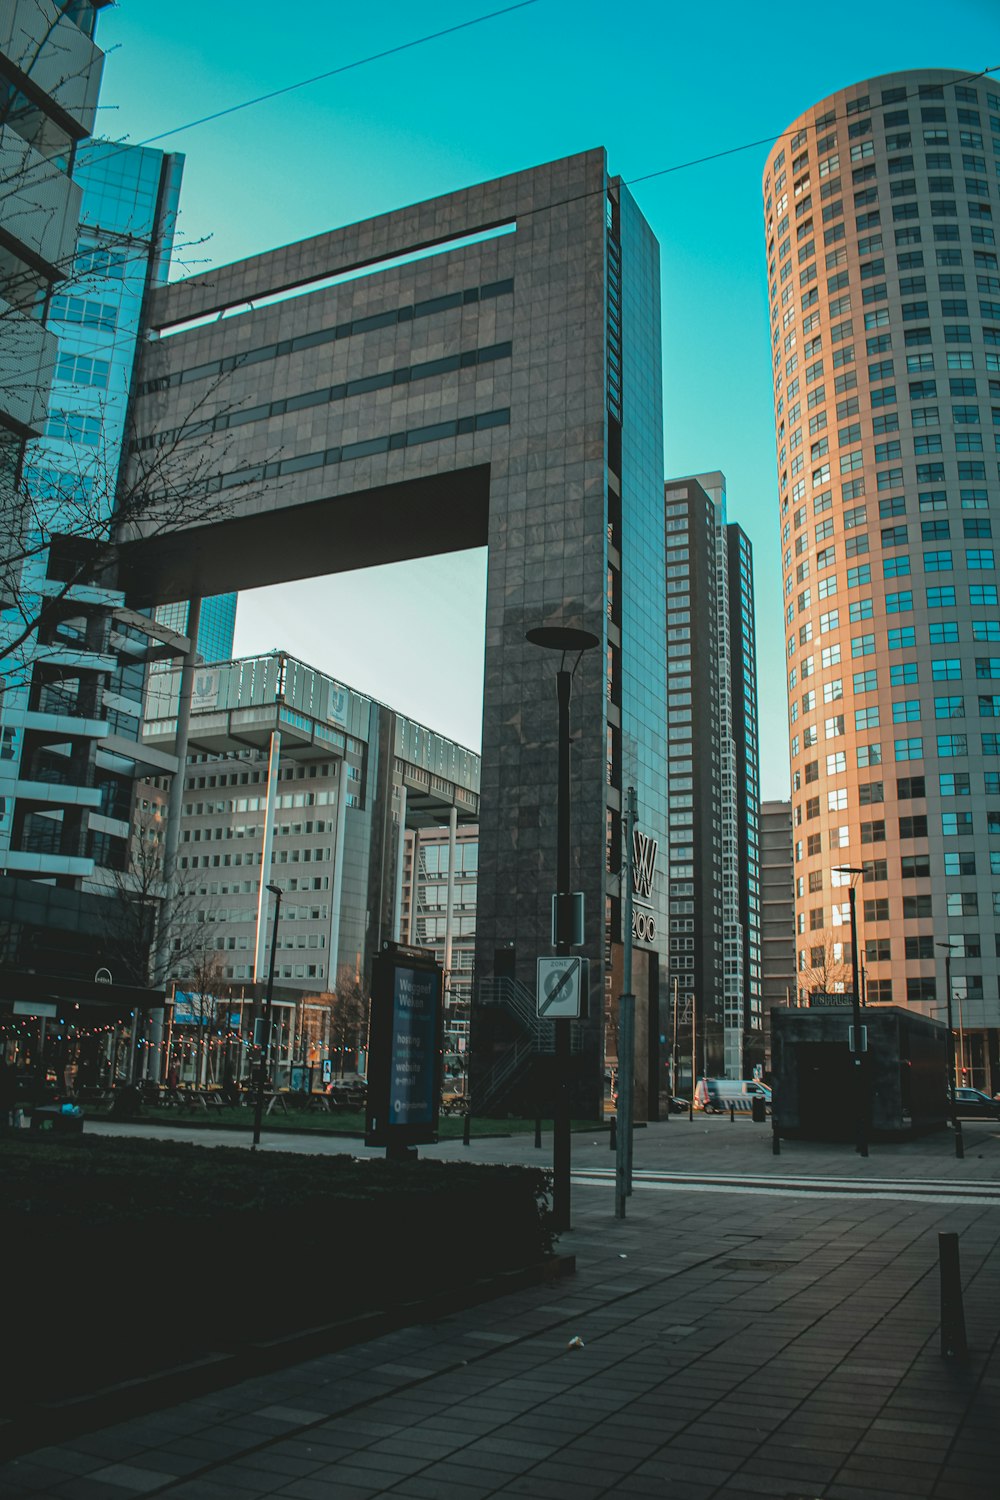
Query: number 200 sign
x,y
643,869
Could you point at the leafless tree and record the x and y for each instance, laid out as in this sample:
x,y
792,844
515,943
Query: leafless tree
x,y
829,968
70,525
68,502
349,1014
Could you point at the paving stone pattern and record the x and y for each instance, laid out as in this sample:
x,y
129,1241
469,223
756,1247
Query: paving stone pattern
x,y
733,1346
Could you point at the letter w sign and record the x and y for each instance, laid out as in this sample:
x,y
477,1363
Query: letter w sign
x,y
643,862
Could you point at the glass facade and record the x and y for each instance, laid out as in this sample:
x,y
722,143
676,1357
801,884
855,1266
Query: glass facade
x,y
637,670
217,625
72,475
884,285
713,779
425,920
744,963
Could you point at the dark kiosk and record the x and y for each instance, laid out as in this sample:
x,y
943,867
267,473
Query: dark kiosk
x,y
404,1050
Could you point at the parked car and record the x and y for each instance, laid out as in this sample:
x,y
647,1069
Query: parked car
x,y
676,1106
973,1104
717,1095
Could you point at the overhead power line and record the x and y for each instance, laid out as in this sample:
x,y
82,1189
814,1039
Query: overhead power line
x,y
360,62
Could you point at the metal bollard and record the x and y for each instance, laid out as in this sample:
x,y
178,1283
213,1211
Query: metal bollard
x,y
775,1141
732,1114
959,1142
467,1129
614,1132
953,1340
538,1132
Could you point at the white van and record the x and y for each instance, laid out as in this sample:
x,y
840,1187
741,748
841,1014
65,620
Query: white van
x,y
716,1095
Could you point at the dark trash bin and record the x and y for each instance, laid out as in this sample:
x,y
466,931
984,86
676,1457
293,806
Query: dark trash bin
x,y
759,1109
127,1102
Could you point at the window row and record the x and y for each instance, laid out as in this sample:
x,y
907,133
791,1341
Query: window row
x,y
912,747
879,909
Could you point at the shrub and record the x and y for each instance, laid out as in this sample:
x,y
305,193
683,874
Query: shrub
x,y
113,1238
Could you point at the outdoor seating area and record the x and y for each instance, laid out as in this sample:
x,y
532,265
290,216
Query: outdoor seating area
x,y
187,1099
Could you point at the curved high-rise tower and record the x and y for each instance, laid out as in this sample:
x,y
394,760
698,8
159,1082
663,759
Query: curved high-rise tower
x,y
880,210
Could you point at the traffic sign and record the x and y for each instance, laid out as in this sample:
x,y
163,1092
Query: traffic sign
x,y
561,986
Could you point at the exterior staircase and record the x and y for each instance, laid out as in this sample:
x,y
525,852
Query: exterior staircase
x,y
536,1039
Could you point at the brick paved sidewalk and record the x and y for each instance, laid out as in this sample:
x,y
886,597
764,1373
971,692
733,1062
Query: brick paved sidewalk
x,y
732,1346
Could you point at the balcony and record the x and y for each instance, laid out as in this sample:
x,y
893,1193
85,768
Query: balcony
x,y
41,207
57,794
45,865
29,362
56,720
55,58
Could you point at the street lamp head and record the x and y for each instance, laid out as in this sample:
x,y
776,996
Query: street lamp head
x,y
848,870
562,638
950,946
275,890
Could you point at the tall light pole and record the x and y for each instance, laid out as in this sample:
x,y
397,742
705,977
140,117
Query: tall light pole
x,y
568,642
956,1123
626,1026
258,1113
857,1047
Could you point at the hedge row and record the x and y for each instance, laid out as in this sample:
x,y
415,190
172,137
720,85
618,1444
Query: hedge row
x,y
125,1255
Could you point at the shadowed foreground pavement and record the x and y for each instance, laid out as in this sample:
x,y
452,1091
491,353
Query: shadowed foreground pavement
x,y
733,1345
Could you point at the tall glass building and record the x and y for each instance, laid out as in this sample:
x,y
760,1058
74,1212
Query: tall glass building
x,y
216,627
884,288
713,779
50,73
73,702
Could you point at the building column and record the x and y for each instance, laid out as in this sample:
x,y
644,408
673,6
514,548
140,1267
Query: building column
x,y
260,946
449,925
337,877
411,926
172,836
397,919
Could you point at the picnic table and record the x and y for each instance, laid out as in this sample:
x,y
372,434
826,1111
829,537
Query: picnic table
x,y
194,1100
345,1099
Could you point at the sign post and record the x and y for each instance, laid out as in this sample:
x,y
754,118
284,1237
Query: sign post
x,y
405,1051
626,1018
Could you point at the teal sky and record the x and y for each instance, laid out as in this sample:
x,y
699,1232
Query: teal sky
x,y
658,85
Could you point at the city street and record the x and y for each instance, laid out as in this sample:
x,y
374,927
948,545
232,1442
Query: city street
x,y
777,1340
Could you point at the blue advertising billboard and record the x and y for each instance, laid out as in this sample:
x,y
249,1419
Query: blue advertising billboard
x,y
404,1063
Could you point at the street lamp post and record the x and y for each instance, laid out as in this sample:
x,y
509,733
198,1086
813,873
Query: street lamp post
x,y
568,642
857,1045
956,1123
258,1113
626,1027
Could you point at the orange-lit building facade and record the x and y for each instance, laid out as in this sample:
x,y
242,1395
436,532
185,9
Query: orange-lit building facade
x,y
880,210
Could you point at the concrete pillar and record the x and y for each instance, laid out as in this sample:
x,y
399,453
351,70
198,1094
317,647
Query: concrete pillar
x,y
449,925
172,837
260,945
397,916
337,878
411,928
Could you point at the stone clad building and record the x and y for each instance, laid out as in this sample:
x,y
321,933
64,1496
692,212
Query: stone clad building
x,y
481,369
